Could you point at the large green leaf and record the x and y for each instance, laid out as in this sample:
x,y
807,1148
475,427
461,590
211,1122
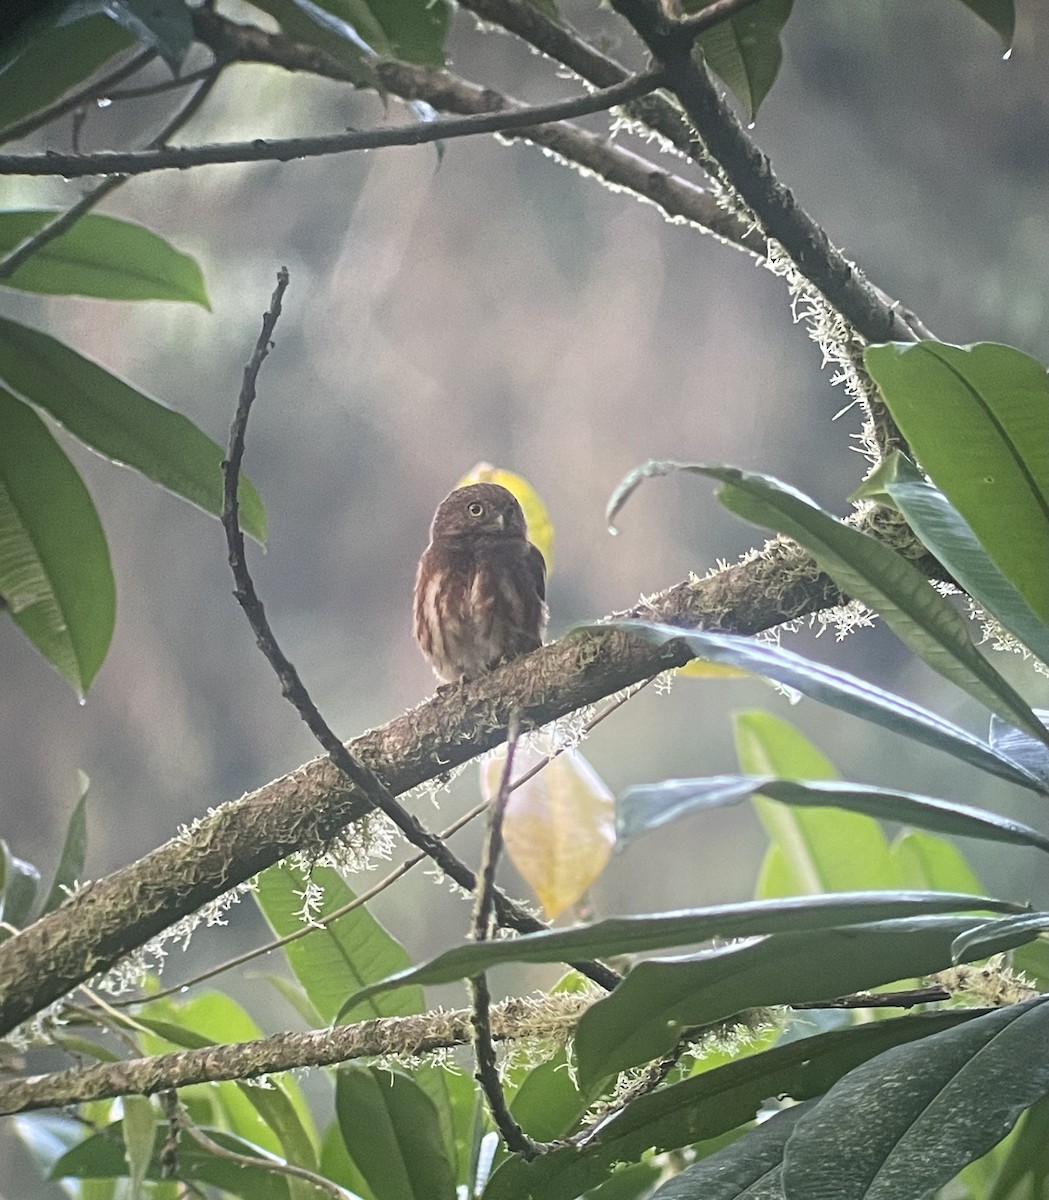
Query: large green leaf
x,y
53,61
55,573
744,49
810,850
660,998
840,690
870,571
121,422
906,1122
709,1104
393,1135
631,935
941,529
747,1169
335,960
975,418
648,806
100,256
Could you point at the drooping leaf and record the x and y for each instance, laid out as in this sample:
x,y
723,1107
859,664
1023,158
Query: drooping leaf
x,y
999,14
867,570
559,826
74,851
649,806
840,690
537,518
140,1133
906,1122
709,1104
810,850
335,960
52,61
120,422
100,256
660,998
975,418
744,49
392,1134
630,935
941,529
55,572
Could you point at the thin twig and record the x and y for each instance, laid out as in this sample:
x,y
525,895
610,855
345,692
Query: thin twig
x,y
74,100
277,1166
165,85
713,14
140,162
371,787
66,220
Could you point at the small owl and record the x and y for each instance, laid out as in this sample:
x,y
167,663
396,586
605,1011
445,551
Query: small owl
x,y
480,591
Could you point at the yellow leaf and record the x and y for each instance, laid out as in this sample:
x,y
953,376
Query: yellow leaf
x,y
698,668
540,531
559,827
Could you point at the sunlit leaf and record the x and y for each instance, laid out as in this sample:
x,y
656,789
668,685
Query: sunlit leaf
x,y
540,529
559,827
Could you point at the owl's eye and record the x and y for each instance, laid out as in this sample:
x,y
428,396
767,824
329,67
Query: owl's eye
x,y
476,509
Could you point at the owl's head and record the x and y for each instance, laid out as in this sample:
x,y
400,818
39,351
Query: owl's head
x,y
479,508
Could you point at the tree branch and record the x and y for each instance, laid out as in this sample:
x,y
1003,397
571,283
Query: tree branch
x,y
140,162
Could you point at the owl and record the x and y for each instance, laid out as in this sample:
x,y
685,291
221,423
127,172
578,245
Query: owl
x,y
480,590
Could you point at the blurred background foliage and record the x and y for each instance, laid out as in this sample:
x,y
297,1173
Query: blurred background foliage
x,y
491,305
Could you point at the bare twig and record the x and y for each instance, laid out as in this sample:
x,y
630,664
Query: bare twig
x,y
713,14
140,162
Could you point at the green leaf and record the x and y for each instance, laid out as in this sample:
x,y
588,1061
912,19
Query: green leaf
x,y
747,1169
744,49
659,999
413,30
120,422
906,1122
101,1156
943,532
393,1135
631,935
710,1104
55,572
870,571
632,1182
140,1132
74,850
999,14
53,61
1025,1170
336,960
828,851
975,418
1032,755
100,256
548,1103
840,690
982,940
19,881
925,861
649,806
